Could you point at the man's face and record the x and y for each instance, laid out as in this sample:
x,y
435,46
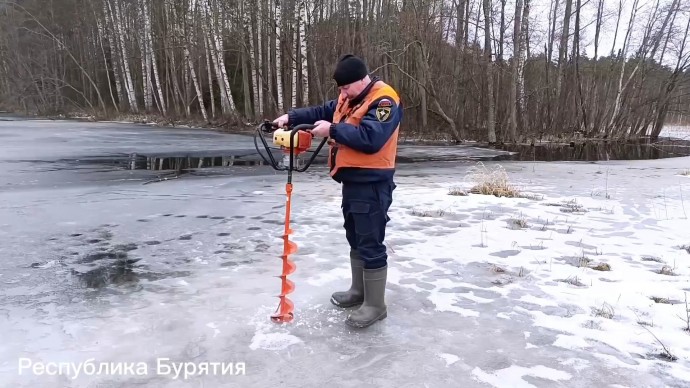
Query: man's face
x,y
352,90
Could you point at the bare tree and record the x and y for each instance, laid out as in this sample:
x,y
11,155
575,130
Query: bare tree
x,y
465,69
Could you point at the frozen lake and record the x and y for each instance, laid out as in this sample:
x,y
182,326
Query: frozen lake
x,y
483,291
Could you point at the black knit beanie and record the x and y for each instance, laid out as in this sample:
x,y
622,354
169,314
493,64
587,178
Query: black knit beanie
x,y
349,69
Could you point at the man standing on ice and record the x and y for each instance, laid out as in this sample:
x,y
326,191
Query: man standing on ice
x,y
362,125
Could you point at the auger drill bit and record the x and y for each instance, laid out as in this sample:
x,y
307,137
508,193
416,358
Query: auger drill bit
x,y
284,312
292,142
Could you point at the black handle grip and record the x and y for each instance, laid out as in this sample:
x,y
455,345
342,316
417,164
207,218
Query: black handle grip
x,y
260,134
268,126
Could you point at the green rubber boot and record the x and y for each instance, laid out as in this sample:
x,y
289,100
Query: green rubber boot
x,y
355,295
374,307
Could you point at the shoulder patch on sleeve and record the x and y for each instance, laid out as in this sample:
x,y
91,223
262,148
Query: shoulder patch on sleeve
x,y
383,109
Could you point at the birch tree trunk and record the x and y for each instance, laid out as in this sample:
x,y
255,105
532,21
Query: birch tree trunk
x,y
145,62
175,32
246,59
304,77
278,51
562,57
491,119
295,46
516,63
152,57
103,31
218,56
459,64
255,55
522,59
114,53
189,19
622,56
129,85
682,66
107,73
197,86
207,52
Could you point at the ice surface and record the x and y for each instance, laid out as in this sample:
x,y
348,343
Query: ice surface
x,y
98,266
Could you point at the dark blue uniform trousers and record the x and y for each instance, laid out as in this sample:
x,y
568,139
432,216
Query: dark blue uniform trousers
x,y
365,210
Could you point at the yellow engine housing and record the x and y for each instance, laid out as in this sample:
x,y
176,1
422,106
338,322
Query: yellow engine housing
x,y
281,137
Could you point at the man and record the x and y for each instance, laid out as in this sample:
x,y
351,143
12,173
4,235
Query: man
x,y
362,124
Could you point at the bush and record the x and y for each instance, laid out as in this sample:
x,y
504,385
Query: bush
x,y
492,182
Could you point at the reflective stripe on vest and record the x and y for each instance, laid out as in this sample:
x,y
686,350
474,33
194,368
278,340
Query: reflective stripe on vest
x,y
347,157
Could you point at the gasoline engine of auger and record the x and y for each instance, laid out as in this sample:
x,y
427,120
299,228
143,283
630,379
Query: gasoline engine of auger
x,y
292,142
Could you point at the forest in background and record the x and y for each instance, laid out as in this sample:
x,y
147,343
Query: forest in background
x,y
486,70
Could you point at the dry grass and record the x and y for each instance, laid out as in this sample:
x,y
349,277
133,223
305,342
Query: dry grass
x,y
428,213
657,299
666,270
532,196
652,258
602,267
573,281
685,173
572,207
583,261
518,223
605,311
578,261
457,192
643,318
492,182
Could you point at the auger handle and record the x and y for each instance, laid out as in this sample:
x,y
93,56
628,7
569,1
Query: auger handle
x,y
267,127
297,128
313,156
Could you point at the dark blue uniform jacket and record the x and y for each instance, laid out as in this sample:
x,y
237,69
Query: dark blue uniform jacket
x,y
369,137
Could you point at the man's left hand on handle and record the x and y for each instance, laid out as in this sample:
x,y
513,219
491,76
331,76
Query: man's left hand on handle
x,y
322,129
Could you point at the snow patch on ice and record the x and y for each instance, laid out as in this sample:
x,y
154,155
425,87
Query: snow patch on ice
x,y
444,302
470,295
326,277
273,341
450,359
269,336
213,326
570,342
514,374
503,316
538,301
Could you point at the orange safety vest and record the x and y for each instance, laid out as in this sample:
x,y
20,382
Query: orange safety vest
x,y
342,156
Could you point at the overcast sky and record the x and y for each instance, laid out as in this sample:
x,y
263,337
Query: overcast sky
x,y
539,19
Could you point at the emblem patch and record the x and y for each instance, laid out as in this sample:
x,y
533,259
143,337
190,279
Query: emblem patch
x,y
383,110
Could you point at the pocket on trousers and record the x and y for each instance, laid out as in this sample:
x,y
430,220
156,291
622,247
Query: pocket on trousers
x,y
361,215
384,195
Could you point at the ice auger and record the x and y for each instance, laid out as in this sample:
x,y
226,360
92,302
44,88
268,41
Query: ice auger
x,y
292,142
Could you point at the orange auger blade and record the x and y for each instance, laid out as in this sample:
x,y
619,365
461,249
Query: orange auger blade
x,y
284,312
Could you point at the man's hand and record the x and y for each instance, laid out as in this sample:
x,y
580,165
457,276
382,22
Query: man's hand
x,y
281,121
322,129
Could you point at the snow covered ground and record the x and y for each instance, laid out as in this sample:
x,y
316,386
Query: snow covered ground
x,y
483,291
677,131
